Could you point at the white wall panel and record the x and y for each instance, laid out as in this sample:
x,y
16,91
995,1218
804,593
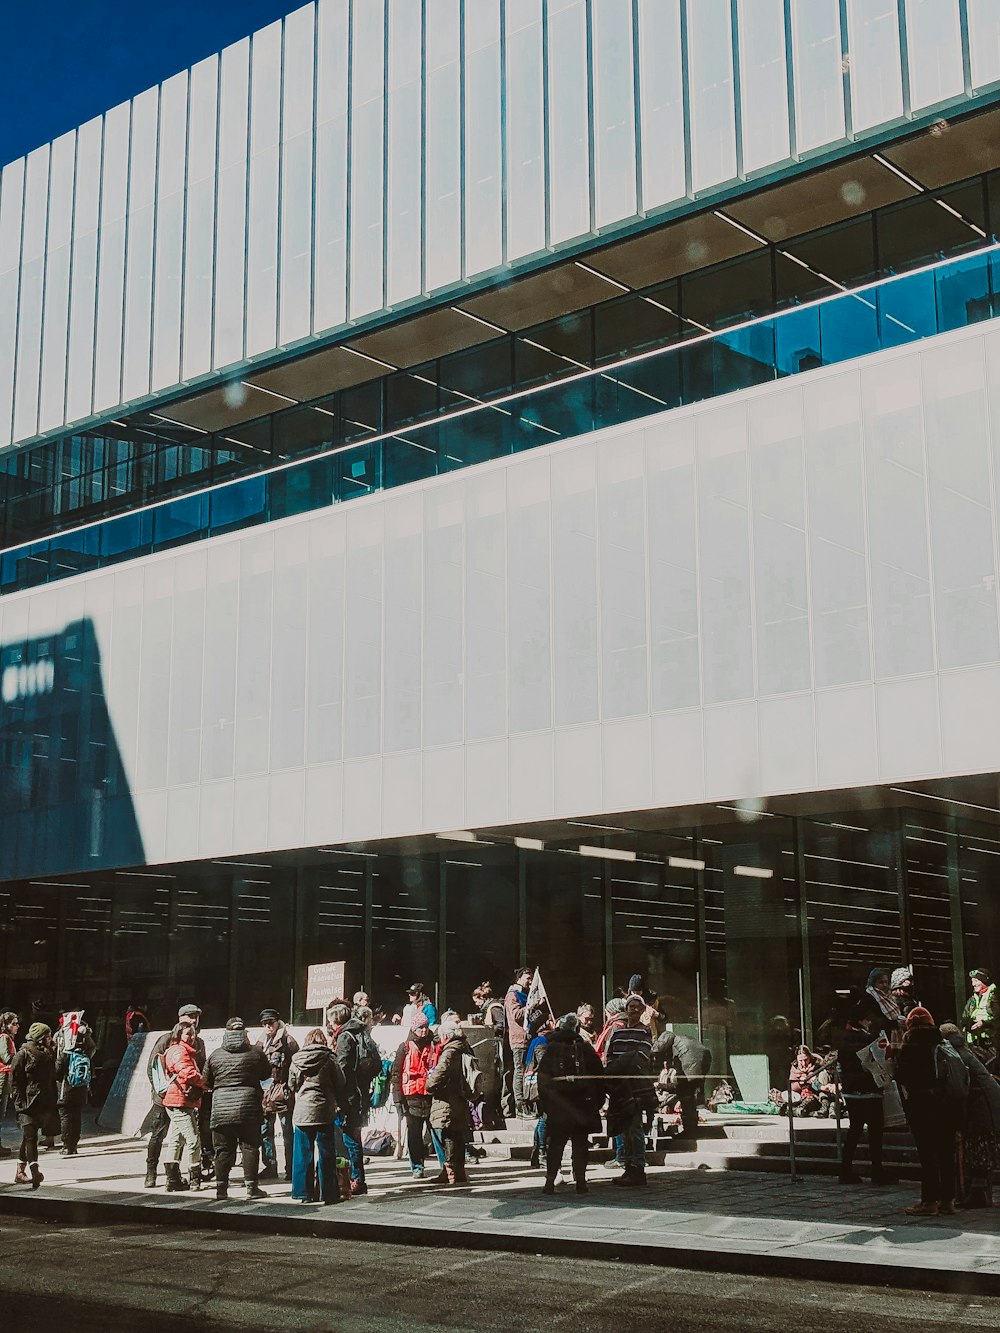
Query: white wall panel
x,y
55,318
11,204
32,284
108,346
525,129
231,204
296,239
169,232
483,146
614,111
569,120
83,278
711,95
139,253
933,51
442,140
818,73
404,131
367,167
262,196
763,83
984,41
876,76
332,122
199,220
661,98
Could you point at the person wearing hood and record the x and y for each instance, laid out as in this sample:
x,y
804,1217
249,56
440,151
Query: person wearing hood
x,y
687,1063
413,1062
279,1046
980,1016
449,1087
33,1079
182,1102
880,1001
318,1088
981,1125
234,1074
74,1050
570,1094
627,1060
349,1040
930,1113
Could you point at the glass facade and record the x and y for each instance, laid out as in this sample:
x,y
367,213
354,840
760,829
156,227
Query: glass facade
x,y
750,931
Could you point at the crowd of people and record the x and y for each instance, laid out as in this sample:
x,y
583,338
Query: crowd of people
x,y
567,1077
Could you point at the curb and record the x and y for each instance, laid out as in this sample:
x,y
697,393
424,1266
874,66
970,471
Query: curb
x,y
82,1212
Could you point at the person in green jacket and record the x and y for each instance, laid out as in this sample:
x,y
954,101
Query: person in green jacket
x,y
980,1016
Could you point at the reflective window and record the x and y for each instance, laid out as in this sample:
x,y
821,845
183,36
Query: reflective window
x,y
442,144
366,145
139,263
817,63
57,256
525,120
330,296
661,101
166,364
404,131
29,313
984,41
763,82
614,112
230,238
111,260
262,222
199,221
294,296
710,81
876,78
483,161
933,51
569,123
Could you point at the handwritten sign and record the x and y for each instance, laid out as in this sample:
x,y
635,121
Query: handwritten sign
x,y
324,982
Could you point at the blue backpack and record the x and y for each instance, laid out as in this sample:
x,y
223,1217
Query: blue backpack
x,y
80,1070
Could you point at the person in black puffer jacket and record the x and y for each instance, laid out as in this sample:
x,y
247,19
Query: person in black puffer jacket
x,y
933,1118
234,1073
687,1062
570,1093
861,1096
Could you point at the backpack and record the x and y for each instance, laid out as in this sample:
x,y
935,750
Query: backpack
x,y
951,1072
79,1073
381,1085
158,1076
472,1077
369,1062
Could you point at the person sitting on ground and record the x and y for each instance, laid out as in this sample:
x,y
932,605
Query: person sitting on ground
x,y
10,1024
416,1057
801,1078
980,1125
933,1118
234,1074
628,1065
318,1090
686,1062
570,1094
182,1101
33,1080
451,1093
981,1015
862,1096
74,1047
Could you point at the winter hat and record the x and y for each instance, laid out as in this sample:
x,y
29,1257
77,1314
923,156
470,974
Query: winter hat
x,y
270,1016
569,1023
635,982
39,1030
189,1011
235,1025
980,974
900,977
919,1018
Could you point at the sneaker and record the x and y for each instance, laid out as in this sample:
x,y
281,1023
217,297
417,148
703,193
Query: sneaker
x,y
358,1187
921,1210
416,1173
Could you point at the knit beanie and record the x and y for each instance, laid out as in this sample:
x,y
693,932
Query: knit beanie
x,y
569,1023
919,1018
39,1030
980,974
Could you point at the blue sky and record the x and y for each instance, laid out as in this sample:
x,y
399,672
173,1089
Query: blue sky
x,y
64,61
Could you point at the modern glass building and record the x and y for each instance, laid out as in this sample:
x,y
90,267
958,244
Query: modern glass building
x,y
487,479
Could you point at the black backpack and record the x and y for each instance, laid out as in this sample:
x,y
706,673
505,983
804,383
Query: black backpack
x,y
368,1064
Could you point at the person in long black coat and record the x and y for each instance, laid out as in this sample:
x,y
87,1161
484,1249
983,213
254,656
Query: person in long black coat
x,y
570,1096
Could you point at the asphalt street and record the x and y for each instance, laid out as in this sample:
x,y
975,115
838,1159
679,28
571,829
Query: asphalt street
x,y
104,1279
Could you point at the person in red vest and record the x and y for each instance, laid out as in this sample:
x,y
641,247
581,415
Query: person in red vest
x,y
415,1059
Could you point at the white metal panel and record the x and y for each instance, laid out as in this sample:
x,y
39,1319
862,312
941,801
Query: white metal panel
x,y
83,279
569,120
614,111
199,220
262,219
984,41
661,101
933,51
483,153
818,73
443,141
332,48
231,204
29,315
55,319
710,93
169,230
111,259
139,258
367,166
763,83
296,239
11,202
875,64
525,102
405,137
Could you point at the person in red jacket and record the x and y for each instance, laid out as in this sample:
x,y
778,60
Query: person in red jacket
x,y
415,1059
181,1102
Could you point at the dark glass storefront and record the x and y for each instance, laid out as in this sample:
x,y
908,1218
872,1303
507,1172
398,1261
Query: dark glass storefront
x,y
745,928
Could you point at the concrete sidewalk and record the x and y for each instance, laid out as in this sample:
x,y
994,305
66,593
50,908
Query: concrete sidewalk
x,y
725,1221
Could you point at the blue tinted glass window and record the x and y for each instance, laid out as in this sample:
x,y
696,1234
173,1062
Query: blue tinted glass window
x,y
906,310
848,327
240,505
127,537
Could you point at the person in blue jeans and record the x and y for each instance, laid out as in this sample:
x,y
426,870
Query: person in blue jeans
x,y
348,1037
627,1060
318,1084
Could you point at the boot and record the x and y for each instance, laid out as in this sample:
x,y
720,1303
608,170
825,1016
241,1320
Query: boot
x,y
460,1177
633,1175
194,1177
254,1191
269,1171
946,1207
36,1176
581,1187
549,1187
172,1171
441,1178
150,1182
534,1161
221,1188
922,1210
21,1174
449,1175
